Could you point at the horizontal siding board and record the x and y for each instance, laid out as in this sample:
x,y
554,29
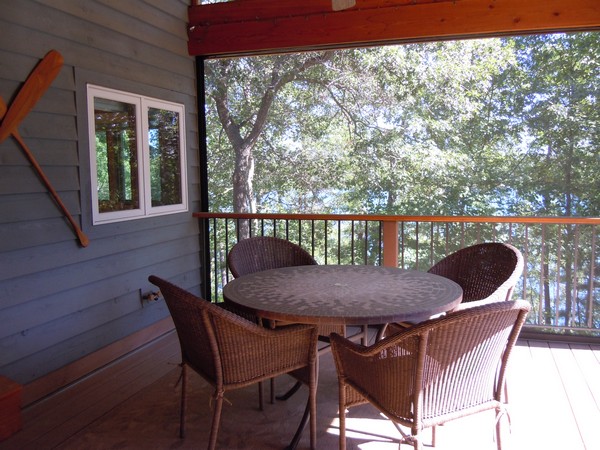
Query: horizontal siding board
x,y
174,9
21,291
153,225
17,64
52,333
131,18
61,301
25,235
28,207
128,67
57,233
30,316
31,367
147,234
194,196
49,126
162,16
25,180
124,67
108,35
47,152
54,101
186,280
49,337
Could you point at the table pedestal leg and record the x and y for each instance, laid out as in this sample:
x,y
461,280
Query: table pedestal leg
x,y
290,392
300,429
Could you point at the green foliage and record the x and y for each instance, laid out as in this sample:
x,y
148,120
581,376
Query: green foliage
x,y
475,127
506,126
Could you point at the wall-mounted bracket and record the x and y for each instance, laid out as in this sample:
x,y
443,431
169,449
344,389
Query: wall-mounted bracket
x,y
152,296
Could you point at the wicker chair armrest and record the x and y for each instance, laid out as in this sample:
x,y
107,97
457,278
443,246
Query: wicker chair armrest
x,y
267,351
384,374
356,357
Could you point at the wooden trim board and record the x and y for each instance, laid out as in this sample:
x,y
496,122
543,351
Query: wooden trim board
x,y
272,26
48,384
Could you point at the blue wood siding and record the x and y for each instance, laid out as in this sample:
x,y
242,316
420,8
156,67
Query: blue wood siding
x,y
58,301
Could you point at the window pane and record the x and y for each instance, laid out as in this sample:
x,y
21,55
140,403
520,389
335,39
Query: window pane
x,y
165,157
116,155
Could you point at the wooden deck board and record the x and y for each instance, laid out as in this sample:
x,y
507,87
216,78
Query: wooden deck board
x,y
49,421
551,403
522,413
553,393
579,385
122,386
596,352
589,366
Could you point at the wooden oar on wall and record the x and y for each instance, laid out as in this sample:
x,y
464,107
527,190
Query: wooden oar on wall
x,y
34,87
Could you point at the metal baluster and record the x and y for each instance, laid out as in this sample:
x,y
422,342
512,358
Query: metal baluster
x,y
366,257
339,243
590,308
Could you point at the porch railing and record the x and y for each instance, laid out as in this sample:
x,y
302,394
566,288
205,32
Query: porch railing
x,y
560,278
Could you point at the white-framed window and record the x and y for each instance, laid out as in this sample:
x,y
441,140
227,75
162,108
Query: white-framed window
x,y
137,155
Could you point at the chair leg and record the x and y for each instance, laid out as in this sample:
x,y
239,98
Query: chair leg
x,y
418,445
500,413
260,396
183,401
216,420
416,439
342,415
272,390
313,418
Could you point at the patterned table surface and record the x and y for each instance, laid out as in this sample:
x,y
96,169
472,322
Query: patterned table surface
x,y
351,295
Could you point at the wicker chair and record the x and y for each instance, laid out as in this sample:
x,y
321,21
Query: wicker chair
x,y
230,352
439,370
260,253
486,272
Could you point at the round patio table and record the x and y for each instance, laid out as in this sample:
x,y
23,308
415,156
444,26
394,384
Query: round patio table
x,y
343,294
339,294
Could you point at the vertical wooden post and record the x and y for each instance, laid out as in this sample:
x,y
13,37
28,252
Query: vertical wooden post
x,y
390,244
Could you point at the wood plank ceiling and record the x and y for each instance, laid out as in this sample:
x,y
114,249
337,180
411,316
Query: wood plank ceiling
x,y
270,26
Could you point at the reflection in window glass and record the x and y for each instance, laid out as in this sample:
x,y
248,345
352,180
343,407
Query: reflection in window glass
x,y
165,157
116,155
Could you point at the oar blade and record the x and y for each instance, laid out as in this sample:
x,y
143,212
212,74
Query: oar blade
x,y
32,90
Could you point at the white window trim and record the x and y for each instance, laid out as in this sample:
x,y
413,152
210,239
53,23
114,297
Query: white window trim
x,y
142,103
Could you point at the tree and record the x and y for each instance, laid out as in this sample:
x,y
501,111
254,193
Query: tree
x,y
242,93
560,88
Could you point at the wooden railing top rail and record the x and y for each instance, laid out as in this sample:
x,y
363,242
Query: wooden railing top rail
x,y
397,218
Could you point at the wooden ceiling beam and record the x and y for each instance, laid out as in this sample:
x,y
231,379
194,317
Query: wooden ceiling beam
x,y
244,10
271,26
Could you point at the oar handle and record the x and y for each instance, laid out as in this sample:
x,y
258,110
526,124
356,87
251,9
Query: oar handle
x,y
83,239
